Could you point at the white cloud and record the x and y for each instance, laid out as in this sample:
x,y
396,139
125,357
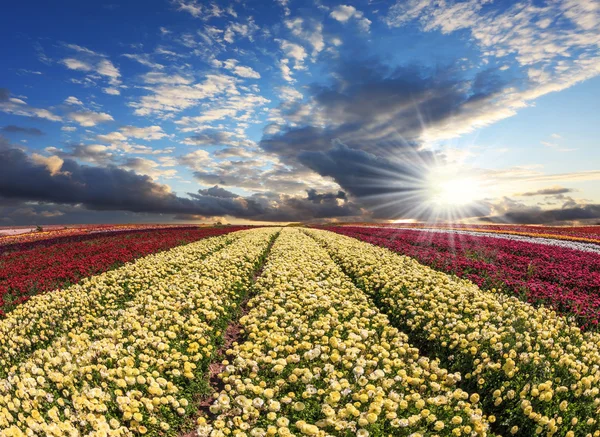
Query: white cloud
x,y
191,7
294,51
284,4
196,160
240,30
286,71
287,93
73,101
336,41
94,153
68,128
112,91
149,167
554,45
89,61
310,31
202,11
167,97
161,78
84,50
89,118
111,137
144,133
208,116
106,68
584,13
52,163
246,72
241,107
343,13
148,133
239,70
20,107
76,64
145,60
25,71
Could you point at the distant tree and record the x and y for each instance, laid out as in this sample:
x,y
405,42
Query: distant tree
x,y
38,228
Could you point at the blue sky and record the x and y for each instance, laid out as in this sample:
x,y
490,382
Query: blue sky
x,y
290,110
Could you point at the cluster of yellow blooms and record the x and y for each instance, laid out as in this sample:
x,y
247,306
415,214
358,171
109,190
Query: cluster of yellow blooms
x,y
49,315
138,348
319,359
539,374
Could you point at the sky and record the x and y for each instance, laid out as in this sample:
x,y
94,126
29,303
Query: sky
x,y
247,111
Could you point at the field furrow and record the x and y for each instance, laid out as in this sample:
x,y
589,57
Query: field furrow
x,y
134,369
536,372
319,359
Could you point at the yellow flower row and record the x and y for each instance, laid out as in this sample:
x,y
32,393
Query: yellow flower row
x,y
133,370
321,360
539,374
45,316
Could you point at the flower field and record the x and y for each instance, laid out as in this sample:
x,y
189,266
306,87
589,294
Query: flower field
x,y
292,332
565,279
10,236
124,355
585,234
30,268
537,373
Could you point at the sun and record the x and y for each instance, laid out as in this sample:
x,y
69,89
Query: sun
x,y
448,187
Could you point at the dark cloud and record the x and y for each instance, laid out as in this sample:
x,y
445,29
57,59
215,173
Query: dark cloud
x,y
209,138
553,216
315,197
486,84
390,187
548,192
65,182
297,140
315,206
233,152
362,173
12,129
94,153
373,107
217,191
98,188
511,211
366,130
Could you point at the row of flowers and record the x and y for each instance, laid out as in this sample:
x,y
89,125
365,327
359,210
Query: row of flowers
x,y
590,234
566,280
134,370
55,263
536,372
574,245
9,237
54,314
319,359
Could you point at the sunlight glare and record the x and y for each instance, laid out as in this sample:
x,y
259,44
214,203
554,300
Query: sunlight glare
x,y
448,188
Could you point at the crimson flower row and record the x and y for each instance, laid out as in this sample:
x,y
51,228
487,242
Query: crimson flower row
x,y
61,263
